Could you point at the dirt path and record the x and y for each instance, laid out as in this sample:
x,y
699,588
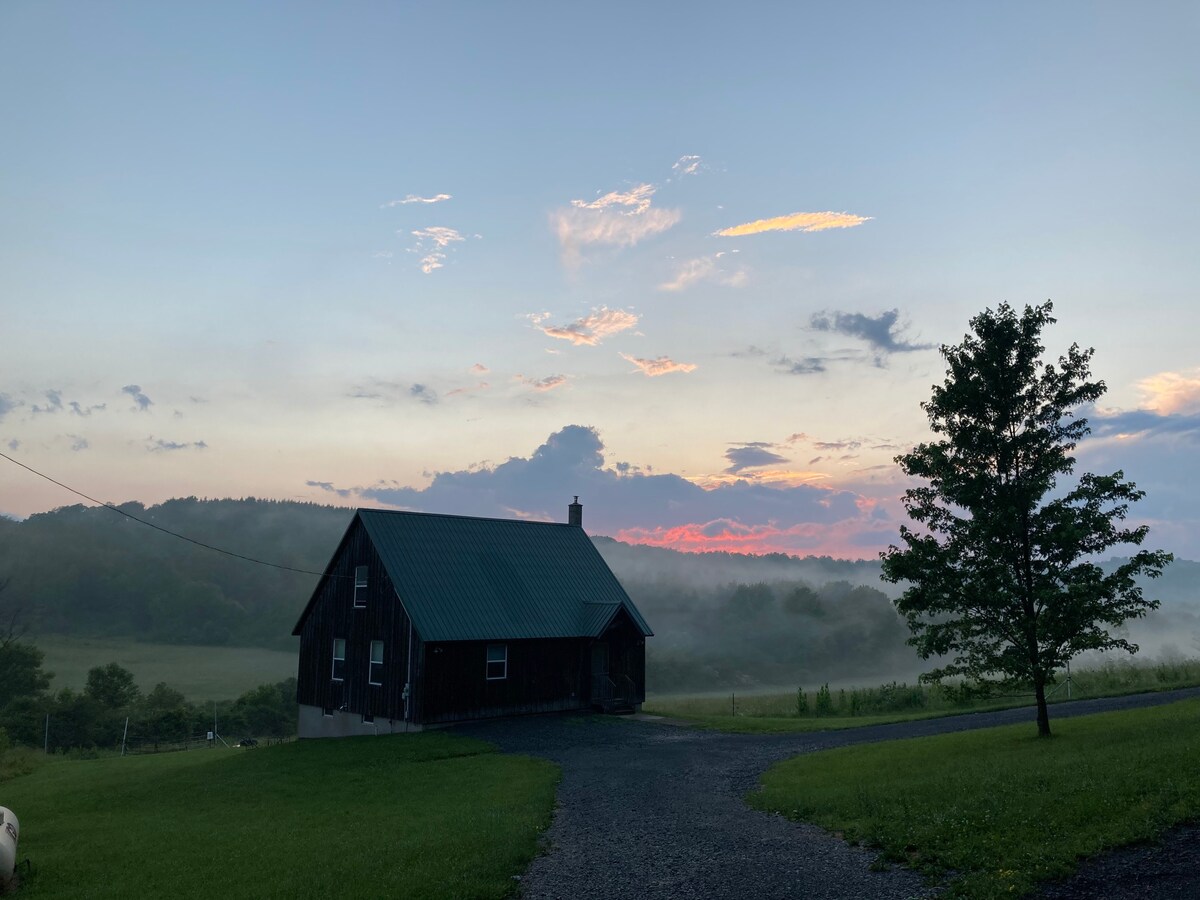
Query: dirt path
x,y
653,810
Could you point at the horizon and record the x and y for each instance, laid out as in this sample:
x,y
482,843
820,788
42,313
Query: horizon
x,y
692,267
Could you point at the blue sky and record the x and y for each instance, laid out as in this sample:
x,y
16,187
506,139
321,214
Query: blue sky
x,y
468,257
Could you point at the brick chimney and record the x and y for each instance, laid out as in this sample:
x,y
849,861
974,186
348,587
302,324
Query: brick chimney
x,y
575,513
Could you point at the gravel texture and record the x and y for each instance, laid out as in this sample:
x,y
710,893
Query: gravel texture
x,y
651,809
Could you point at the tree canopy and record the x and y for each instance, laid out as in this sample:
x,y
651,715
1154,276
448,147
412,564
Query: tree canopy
x,y
1002,569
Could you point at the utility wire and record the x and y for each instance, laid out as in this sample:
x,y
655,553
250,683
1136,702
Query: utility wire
x,y
175,534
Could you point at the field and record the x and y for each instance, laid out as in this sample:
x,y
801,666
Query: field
x,y
851,707
200,673
429,815
996,811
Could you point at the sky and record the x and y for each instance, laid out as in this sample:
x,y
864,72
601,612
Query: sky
x,y
691,262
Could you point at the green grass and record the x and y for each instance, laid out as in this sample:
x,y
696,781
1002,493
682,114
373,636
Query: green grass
x,y
429,815
852,707
199,673
996,811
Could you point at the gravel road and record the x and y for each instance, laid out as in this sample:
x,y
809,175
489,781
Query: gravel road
x,y
648,809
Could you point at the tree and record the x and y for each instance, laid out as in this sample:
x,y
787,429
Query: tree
x,y
1002,570
21,673
112,686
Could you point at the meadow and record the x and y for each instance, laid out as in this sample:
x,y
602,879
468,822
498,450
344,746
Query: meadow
x,y
814,709
199,673
429,815
994,812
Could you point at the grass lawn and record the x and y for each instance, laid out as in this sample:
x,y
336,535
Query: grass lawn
x,y
199,673
427,815
775,713
996,811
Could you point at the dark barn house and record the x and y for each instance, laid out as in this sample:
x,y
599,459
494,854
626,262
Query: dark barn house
x,y
422,619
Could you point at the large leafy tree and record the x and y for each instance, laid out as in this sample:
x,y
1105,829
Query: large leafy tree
x,y
1002,567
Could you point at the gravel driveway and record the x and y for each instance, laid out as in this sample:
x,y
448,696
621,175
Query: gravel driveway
x,y
648,809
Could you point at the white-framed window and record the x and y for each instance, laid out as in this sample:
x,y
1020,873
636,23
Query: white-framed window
x,y
327,712
360,586
368,719
497,662
376,676
338,672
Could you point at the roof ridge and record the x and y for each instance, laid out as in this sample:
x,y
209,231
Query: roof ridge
x,y
433,515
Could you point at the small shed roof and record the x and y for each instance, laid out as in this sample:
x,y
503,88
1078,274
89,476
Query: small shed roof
x,y
462,578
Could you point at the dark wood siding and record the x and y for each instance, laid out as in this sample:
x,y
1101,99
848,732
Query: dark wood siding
x,y
542,676
627,652
334,615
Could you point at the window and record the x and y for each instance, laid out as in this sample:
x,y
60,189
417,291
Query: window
x,y
368,719
327,712
339,659
376,676
360,586
497,662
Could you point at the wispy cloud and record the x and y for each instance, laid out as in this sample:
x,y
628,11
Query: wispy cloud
x,y
77,443
549,383
809,365
329,488
481,386
751,456
85,411
480,369
618,219
423,393
413,198
799,221
159,445
591,329
135,391
1171,392
704,268
432,242
54,404
662,365
687,165
880,331
7,405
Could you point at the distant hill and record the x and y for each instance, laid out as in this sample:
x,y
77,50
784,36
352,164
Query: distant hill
x,y
720,619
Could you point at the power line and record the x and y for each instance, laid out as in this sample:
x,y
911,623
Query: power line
x,y
175,534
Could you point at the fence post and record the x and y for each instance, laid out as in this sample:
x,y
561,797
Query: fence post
x,y
125,735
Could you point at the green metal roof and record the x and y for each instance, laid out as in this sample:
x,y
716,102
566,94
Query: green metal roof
x,y
466,579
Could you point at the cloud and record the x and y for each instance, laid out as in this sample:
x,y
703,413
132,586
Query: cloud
x,y
661,509
591,329
617,219
329,488
704,268
85,411
7,405
413,198
432,242
837,445
77,443
480,369
799,221
135,391
14,444
749,352
1171,392
810,365
481,386
878,331
751,456
54,403
663,365
158,445
687,165
549,383
423,393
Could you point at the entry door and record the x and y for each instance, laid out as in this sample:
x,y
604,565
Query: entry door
x,y
599,658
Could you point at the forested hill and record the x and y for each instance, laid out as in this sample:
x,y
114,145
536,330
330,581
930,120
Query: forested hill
x,y
720,619
88,570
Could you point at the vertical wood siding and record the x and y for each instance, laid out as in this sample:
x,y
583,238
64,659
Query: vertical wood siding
x,y
334,615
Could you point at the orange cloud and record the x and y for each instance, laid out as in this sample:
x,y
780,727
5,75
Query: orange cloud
x,y
842,540
1171,392
800,221
663,365
591,329
619,219
549,383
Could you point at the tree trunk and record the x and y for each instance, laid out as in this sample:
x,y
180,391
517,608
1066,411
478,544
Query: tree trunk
x,y
1043,714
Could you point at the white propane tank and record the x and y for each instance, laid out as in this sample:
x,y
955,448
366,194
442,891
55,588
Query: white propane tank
x,y
10,830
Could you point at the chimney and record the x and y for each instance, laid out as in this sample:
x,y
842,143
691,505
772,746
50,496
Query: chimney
x,y
575,513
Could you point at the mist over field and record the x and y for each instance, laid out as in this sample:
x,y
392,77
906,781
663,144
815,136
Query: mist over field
x,y
721,621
